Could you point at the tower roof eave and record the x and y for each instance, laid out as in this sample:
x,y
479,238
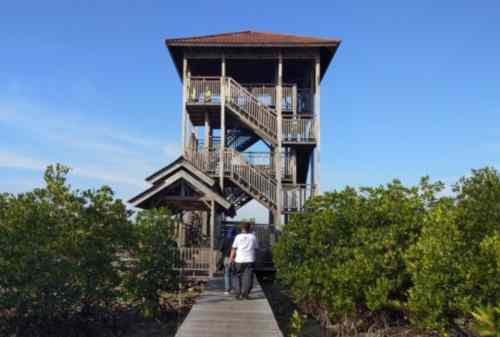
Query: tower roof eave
x,y
250,39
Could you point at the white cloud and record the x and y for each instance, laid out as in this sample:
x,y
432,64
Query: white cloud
x,y
82,134
12,160
18,161
95,151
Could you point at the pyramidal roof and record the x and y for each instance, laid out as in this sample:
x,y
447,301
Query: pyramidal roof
x,y
251,38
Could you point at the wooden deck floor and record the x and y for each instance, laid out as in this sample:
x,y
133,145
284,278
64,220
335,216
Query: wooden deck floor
x,y
219,315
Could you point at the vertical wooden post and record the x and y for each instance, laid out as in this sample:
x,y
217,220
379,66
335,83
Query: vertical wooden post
x,y
213,253
317,79
222,122
294,100
184,101
278,152
212,224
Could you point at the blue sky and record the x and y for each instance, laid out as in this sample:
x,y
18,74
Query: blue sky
x,y
413,90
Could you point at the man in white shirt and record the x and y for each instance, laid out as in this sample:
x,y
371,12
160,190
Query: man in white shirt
x,y
243,256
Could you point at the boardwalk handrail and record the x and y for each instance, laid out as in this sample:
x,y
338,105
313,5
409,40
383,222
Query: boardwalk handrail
x,y
193,259
185,259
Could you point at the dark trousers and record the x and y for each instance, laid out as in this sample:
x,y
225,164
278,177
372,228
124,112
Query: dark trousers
x,y
243,278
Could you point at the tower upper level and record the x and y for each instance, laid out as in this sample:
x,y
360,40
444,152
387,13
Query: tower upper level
x,y
250,44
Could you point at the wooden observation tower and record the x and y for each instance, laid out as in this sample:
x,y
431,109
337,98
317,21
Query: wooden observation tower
x,y
250,128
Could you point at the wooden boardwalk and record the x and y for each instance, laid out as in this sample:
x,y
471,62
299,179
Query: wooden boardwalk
x,y
219,315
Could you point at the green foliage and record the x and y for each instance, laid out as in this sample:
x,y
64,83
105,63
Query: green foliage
x,y
455,263
487,322
393,249
439,272
57,248
153,255
61,252
296,324
347,251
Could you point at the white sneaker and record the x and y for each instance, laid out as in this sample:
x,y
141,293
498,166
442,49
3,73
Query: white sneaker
x,y
226,292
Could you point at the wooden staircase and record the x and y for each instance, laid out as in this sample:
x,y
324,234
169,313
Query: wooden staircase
x,y
258,122
254,181
240,140
251,112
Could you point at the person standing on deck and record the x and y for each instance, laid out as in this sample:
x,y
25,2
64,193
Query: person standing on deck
x,y
245,246
225,249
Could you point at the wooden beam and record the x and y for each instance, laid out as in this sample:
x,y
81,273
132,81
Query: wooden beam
x,y
222,123
302,53
279,149
317,79
212,225
185,81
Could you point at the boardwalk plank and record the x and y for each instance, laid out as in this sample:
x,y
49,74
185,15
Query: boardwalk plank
x,y
217,315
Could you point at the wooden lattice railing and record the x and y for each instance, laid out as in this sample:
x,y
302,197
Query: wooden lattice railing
x,y
294,196
251,110
204,90
193,259
253,180
299,129
251,102
266,94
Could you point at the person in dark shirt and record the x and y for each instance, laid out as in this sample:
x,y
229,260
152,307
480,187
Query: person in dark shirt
x,y
226,252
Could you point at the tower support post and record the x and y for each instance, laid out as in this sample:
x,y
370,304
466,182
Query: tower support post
x,y
278,153
222,146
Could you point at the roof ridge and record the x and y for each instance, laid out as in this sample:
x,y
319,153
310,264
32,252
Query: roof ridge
x,y
250,34
295,35
205,36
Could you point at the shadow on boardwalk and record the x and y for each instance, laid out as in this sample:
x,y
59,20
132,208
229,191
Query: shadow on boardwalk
x,y
217,315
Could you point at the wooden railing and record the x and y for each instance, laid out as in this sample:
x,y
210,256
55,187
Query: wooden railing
x,y
258,158
289,98
251,109
266,94
299,129
193,259
257,182
204,90
288,168
206,161
266,234
252,104
254,180
185,260
294,196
